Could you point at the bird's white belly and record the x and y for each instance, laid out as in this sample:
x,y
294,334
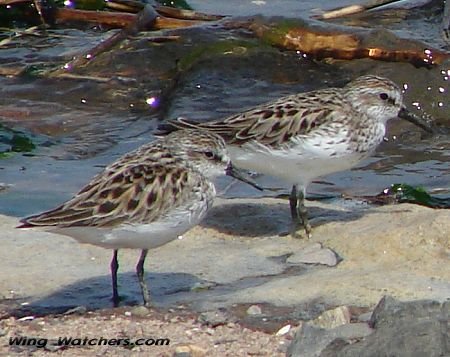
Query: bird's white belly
x,y
292,166
143,236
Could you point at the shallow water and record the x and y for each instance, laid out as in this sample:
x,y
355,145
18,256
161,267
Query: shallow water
x,y
78,126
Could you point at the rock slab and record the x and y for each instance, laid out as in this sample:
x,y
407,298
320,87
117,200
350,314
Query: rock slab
x,y
401,329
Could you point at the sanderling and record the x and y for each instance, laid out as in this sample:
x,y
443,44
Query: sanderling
x,y
145,199
307,135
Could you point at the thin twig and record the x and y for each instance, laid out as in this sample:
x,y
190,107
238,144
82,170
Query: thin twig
x,y
39,10
186,14
31,31
446,22
145,19
136,6
11,2
352,9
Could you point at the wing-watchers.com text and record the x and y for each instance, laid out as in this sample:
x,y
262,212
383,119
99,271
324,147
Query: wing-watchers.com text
x,y
86,341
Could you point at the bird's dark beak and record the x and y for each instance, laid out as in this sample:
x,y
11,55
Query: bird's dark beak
x,y
416,120
241,176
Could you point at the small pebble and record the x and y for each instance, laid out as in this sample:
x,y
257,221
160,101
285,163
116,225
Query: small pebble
x,y
189,351
210,331
203,285
53,347
214,318
254,310
139,311
26,318
284,330
80,310
333,318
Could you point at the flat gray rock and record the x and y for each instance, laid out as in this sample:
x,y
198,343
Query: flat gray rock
x,y
401,329
310,341
415,328
314,254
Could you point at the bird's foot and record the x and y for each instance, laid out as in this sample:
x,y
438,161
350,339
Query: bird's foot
x,y
296,231
147,300
116,300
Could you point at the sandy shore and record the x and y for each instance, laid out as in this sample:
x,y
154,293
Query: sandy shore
x,y
235,259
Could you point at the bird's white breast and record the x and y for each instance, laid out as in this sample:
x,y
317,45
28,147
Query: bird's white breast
x,y
309,158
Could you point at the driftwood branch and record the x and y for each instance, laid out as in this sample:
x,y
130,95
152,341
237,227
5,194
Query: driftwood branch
x,y
339,42
107,18
309,37
168,17
119,19
375,4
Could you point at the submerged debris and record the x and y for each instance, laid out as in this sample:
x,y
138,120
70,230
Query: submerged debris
x,y
399,193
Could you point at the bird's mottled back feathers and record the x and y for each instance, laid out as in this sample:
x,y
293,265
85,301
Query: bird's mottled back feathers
x,y
368,101
274,123
140,187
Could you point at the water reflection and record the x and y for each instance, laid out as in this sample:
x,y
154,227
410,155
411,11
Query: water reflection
x,y
80,125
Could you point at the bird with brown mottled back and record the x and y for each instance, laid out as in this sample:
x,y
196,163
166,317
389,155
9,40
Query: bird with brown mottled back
x,y
303,136
145,199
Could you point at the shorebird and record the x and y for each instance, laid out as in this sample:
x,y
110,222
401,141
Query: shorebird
x,y
145,199
304,136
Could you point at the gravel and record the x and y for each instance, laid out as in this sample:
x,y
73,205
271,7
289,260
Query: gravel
x,y
188,336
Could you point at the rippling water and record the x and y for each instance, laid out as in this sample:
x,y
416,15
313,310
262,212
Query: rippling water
x,y
79,125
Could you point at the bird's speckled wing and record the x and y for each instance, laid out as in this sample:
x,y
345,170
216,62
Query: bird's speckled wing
x,y
274,123
132,191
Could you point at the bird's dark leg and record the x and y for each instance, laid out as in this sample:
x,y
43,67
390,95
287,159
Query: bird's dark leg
x,y
114,269
140,275
303,212
299,212
293,201
293,204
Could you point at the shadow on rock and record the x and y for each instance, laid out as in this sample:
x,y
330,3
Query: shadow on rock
x,y
95,294
268,219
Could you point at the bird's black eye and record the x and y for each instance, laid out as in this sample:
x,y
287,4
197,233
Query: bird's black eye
x,y
384,96
210,155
